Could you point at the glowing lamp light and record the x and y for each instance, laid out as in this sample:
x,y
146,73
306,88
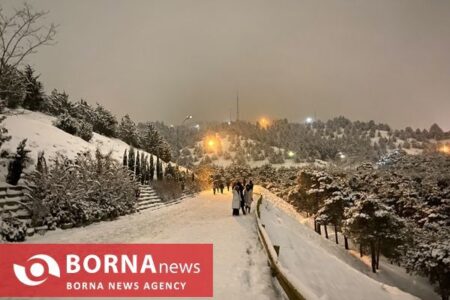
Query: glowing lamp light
x,y
291,153
445,149
309,120
211,143
264,122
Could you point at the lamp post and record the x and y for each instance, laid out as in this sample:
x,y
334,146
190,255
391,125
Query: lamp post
x,y
188,117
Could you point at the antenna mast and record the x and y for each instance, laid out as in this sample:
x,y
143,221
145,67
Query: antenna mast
x,y
237,106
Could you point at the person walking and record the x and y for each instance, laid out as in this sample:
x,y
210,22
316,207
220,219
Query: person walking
x,y
248,197
228,183
221,186
236,201
241,194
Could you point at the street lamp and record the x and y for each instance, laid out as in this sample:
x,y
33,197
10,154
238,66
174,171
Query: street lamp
x,y
188,117
309,120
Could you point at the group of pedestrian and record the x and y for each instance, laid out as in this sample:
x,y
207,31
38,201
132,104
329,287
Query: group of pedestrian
x,y
242,197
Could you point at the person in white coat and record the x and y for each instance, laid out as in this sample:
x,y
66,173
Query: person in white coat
x,y
236,203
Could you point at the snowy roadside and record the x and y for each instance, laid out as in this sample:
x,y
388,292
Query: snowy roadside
x,y
240,263
328,270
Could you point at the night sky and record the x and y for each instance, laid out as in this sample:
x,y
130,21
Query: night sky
x,y
386,60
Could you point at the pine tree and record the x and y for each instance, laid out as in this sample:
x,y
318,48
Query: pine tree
x,y
371,223
131,160
34,96
127,131
18,163
144,168
41,165
104,122
137,169
151,169
125,158
159,172
4,137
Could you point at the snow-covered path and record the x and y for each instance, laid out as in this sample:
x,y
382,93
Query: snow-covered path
x,y
240,264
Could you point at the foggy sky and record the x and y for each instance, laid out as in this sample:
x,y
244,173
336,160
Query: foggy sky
x,y
386,60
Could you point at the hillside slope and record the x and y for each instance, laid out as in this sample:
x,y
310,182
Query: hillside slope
x,y
41,135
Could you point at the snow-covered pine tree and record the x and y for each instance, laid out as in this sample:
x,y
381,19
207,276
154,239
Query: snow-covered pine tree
x,y
125,159
137,169
104,122
127,131
430,257
332,211
18,163
151,169
41,165
4,137
144,164
34,92
375,225
131,160
159,171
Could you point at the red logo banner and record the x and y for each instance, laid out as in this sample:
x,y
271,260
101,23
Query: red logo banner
x,y
106,270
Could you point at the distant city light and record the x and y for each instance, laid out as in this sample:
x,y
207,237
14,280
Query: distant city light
x,y
291,153
341,155
229,122
309,120
197,126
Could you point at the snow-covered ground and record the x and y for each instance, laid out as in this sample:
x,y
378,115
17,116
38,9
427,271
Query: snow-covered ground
x,y
41,135
325,269
240,264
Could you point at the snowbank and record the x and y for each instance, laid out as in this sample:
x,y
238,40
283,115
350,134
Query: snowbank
x,y
315,264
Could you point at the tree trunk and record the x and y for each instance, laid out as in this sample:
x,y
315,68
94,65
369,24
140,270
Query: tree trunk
x,y
335,234
373,255
326,231
378,254
319,230
346,242
361,250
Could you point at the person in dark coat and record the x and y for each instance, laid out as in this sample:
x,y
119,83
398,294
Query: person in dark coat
x,y
221,187
241,194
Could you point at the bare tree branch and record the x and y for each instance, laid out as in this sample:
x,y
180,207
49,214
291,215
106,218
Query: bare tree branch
x,y
22,33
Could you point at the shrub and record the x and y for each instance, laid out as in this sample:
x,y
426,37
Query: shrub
x,y
68,124
81,191
74,126
85,131
12,229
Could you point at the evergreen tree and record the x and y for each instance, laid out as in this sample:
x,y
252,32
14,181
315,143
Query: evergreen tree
x,y
137,169
57,104
18,163
41,165
144,168
34,92
125,159
371,223
127,131
104,122
151,168
159,172
131,160
4,137
12,86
